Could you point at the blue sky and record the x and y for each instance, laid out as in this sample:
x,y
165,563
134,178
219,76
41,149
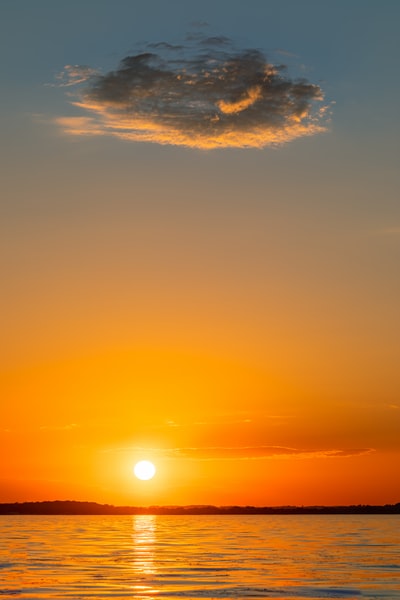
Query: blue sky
x,y
343,182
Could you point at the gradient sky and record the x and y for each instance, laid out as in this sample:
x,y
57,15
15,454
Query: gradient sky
x,y
231,314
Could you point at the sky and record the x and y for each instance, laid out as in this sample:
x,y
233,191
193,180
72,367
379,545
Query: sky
x,y
200,244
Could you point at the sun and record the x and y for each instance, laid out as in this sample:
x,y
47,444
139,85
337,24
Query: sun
x,y
144,470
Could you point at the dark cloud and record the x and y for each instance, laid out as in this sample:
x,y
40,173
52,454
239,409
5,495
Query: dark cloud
x,y
205,94
165,46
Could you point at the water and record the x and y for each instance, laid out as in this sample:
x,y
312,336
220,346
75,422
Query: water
x,y
146,557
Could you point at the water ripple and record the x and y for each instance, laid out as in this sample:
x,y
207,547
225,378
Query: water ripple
x,y
200,557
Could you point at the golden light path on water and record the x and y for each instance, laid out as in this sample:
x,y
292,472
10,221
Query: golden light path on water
x,y
247,556
144,537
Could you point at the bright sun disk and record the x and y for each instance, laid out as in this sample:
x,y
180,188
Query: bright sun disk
x,y
144,470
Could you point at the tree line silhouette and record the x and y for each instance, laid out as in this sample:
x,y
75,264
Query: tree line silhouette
x,y
72,507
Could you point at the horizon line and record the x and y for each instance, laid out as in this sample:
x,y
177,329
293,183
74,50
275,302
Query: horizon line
x,y
82,507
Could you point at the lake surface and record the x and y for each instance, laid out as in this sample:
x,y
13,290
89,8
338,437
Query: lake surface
x,y
254,556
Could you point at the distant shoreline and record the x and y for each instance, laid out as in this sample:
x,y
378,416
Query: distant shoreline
x,y
72,507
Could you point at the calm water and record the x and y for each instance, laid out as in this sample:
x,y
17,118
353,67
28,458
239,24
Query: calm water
x,y
147,557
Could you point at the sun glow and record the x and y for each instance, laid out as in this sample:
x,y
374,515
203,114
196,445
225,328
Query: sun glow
x,y
144,470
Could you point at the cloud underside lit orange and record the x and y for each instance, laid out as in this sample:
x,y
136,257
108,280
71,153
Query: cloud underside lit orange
x,y
204,97
147,130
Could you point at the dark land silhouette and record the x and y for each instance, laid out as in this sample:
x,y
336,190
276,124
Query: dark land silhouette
x,y
72,507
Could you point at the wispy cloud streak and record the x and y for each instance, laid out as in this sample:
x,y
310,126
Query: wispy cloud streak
x,y
259,452
204,94
245,452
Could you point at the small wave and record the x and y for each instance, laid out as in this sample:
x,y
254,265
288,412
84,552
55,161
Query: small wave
x,y
332,592
382,567
263,592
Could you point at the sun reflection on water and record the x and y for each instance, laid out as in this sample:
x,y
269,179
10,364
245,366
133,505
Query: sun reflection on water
x,y
144,564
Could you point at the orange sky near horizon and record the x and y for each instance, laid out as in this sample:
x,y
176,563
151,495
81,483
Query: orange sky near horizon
x,y
280,390
219,431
